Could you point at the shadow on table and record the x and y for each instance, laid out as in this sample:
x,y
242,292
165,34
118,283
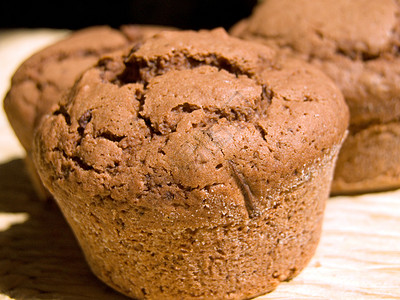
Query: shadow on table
x,y
40,258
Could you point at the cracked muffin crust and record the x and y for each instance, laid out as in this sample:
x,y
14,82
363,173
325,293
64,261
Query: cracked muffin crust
x,y
356,43
195,165
40,82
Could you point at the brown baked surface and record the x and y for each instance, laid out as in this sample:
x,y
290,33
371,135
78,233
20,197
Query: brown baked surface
x,y
356,44
40,81
194,165
44,78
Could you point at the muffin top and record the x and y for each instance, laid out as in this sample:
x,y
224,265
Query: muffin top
x,y
42,79
360,27
355,42
190,127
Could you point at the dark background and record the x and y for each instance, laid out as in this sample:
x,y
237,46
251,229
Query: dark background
x,y
184,14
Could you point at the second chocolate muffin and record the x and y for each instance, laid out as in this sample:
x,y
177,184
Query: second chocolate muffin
x,y
196,165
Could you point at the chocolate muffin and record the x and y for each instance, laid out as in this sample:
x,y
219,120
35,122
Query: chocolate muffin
x,y
42,79
196,165
356,43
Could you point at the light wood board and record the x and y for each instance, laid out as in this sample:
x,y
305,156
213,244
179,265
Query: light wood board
x,y
358,256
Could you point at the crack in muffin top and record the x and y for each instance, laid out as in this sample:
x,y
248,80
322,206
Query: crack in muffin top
x,y
190,120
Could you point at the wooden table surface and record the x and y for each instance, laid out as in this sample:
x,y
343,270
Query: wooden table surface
x,y
358,256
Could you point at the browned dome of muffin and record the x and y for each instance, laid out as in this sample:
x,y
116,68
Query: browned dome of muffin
x,y
194,165
356,43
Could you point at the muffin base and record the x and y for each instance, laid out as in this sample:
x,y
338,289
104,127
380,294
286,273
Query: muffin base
x,y
369,161
229,261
